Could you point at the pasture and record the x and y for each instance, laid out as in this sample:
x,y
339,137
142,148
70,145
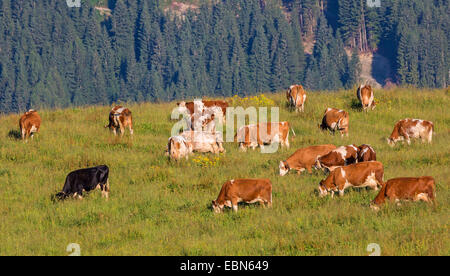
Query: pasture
x,y
157,207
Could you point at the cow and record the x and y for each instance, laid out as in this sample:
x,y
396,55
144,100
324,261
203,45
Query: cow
x,y
304,159
406,129
204,142
335,120
119,118
406,188
29,123
250,137
206,121
296,97
365,174
200,105
366,153
243,190
366,97
339,157
86,180
178,147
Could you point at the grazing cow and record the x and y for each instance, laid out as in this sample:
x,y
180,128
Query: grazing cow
x,y
406,129
250,137
339,157
243,190
407,188
304,159
29,123
86,180
202,104
335,120
204,142
366,153
365,174
366,97
296,97
120,118
178,147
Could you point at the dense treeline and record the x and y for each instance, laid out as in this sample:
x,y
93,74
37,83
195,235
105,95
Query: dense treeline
x,y
55,56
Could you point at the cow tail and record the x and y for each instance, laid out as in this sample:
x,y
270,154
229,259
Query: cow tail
x,y
293,132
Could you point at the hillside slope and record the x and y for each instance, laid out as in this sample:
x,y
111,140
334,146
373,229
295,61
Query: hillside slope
x,y
162,208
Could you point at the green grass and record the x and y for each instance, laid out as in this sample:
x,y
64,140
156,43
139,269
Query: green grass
x,y
163,208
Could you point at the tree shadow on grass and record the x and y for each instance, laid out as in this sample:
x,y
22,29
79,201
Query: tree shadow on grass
x,y
15,134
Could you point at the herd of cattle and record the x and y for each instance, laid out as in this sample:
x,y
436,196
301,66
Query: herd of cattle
x,y
346,166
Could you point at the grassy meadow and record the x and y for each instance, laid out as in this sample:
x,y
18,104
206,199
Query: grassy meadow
x,y
157,207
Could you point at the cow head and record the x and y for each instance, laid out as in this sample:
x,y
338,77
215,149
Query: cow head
x,y
326,186
391,141
375,207
59,196
318,165
217,207
284,168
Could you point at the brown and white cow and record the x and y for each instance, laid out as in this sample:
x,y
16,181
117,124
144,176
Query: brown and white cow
x,y
29,123
335,120
296,97
304,159
407,188
204,142
365,174
366,153
207,120
252,136
119,118
366,97
243,190
200,105
178,147
406,129
339,157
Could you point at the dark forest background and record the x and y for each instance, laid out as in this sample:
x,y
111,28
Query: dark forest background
x,y
142,50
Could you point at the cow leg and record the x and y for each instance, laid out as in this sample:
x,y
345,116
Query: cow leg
x,y
408,141
234,203
286,141
379,176
215,149
78,195
430,137
242,147
105,189
262,203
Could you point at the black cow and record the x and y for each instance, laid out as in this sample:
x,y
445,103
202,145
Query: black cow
x,y
85,180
